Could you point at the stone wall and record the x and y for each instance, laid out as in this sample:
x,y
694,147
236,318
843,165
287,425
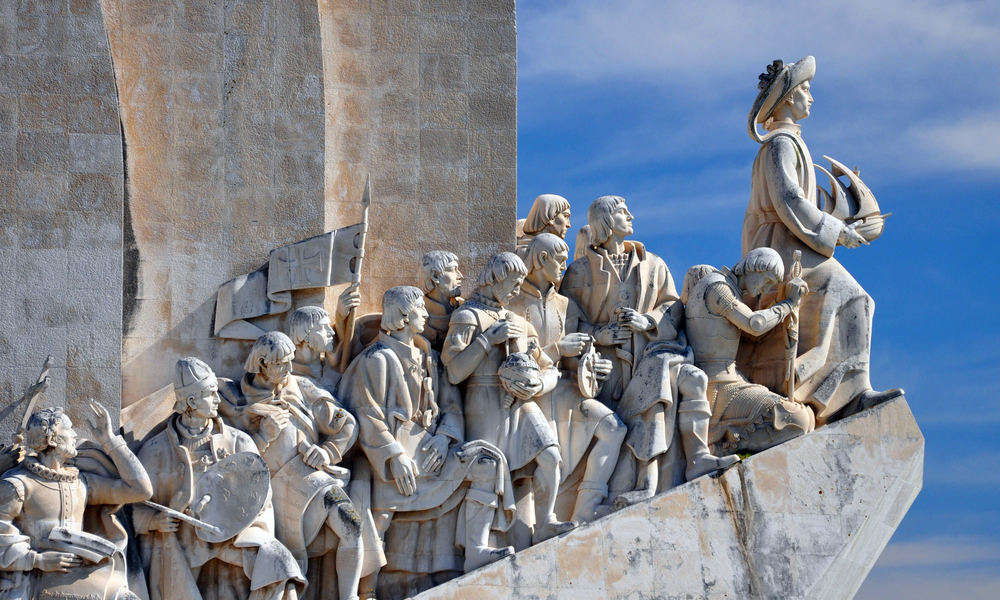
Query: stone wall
x,y
61,198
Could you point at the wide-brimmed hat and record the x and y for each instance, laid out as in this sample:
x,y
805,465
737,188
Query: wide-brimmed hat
x,y
775,85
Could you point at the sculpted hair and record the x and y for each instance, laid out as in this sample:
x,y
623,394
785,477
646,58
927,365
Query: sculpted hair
x,y
397,304
692,277
434,263
273,346
303,320
546,208
499,267
41,428
547,243
599,218
761,260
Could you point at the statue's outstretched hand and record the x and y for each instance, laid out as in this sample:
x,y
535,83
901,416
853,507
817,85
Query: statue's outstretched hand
x,y
57,561
404,474
572,344
849,238
99,422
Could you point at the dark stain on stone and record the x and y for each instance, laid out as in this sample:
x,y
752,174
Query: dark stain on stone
x,y
130,249
743,526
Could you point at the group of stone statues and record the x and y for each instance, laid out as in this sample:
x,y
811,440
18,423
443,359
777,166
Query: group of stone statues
x,y
479,421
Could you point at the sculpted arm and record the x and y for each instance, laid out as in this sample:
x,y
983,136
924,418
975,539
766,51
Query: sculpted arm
x,y
338,430
723,301
368,393
464,347
15,551
667,313
133,484
449,398
814,227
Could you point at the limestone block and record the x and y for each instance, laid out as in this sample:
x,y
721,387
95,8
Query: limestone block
x,y
61,193
806,519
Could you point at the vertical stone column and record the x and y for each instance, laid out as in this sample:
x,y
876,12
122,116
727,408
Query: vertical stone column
x,y
424,96
61,200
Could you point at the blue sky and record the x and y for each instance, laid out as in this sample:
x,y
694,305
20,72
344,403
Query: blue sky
x,y
649,99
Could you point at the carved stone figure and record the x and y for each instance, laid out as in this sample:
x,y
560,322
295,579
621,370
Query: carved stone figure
x,y
318,347
303,434
630,306
177,459
831,369
412,432
442,284
578,421
44,548
482,334
745,416
549,214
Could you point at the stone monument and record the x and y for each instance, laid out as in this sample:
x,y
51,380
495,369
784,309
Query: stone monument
x,y
239,229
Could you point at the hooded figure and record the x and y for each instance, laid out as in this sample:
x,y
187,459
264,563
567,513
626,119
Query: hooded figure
x,y
831,369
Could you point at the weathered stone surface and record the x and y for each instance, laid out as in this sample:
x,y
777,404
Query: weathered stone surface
x,y
61,199
806,519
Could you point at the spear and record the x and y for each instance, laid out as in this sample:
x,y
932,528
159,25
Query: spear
x,y
792,329
366,202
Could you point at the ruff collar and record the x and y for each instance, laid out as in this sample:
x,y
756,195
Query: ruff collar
x,y
65,475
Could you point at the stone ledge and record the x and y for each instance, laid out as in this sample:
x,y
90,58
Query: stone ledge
x,y
806,519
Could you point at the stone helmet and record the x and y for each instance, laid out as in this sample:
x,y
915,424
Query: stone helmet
x,y
776,83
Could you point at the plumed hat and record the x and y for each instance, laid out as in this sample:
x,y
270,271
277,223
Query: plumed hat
x,y
775,85
191,377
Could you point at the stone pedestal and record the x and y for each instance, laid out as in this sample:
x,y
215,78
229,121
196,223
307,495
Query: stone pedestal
x,y
806,519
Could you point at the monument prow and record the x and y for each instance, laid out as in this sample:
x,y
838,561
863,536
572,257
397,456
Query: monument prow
x,y
805,519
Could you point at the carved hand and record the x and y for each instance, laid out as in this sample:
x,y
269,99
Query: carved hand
x,y
436,449
501,331
272,424
402,471
572,344
57,561
99,422
163,522
634,320
612,335
849,238
795,289
316,457
524,391
603,368
349,299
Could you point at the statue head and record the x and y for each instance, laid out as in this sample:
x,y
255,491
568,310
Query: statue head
x,y
549,214
310,326
608,216
439,271
196,389
784,91
402,308
547,254
50,430
271,357
759,270
502,277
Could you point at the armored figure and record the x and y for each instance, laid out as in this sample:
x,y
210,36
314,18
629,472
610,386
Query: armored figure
x,y
412,433
832,366
745,416
318,347
44,549
442,284
302,434
178,459
630,306
549,214
482,334
583,426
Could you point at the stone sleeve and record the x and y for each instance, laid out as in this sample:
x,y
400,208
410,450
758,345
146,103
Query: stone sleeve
x,y
464,347
15,550
666,311
133,485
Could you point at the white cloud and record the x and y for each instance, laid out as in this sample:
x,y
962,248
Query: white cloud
x,y
943,551
936,568
974,141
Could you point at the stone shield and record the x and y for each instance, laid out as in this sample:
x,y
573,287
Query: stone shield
x,y
231,494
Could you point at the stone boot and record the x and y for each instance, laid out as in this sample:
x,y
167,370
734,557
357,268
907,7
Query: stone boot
x,y
551,529
693,417
478,521
589,502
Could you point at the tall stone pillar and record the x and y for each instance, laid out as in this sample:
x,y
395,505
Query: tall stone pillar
x,y
61,232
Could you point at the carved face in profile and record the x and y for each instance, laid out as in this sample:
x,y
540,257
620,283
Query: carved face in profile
x,y
555,266
505,290
63,440
417,317
276,372
759,283
621,220
321,336
205,404
799,101
560,224
449,281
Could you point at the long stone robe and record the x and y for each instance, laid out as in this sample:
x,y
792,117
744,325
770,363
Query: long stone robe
x,y
642,387
384,388
553,316
835,318
171,560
